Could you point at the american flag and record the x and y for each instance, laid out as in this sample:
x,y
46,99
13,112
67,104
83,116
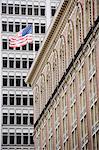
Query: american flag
x,y
23,37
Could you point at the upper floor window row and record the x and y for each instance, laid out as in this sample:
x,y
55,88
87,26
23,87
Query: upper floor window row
x,y
23,9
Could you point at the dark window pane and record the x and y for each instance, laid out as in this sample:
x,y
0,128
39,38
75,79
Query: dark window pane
x,y
36,27
24,47
5,117
11,138
5,62
5,99
11,98
18,138
18,99
25,119
24,84
4,44
16,9
42,28
36,10
53,10
42,9
30,10
36,45
11,118
11,62
17,26
24,99
31,99
30,46
18,118
4,26
23,10
4,8
18,81
11,80
31,138
17,62
4,80
24,63
10,8
31,119
10,26
5,138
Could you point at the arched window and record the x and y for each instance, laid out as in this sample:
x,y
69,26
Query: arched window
x,y
70,41
79,27
55,69
89,14
62,55
43,92
49,81
37,102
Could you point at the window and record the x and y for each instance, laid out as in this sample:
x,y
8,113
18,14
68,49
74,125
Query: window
x,y
25,99
18,99
24,47
29,9
4,8
5,99
23,10
25,119
4,43
5,138
53,10
11,118
31,99
17,62
11,62
5,80
12,138
24,84
36,10
31,119
42,10
42,27
23,25
30,46
17,48
30,62
36,27
5,62
36,45
24,62
10,26
4,26
18,118
31,138
11,80
18,81
18,138
17,26
10,8
5,117
11,98
16,9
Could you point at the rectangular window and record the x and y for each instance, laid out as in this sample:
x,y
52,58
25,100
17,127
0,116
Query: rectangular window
x,y
53,10
30,46
5,117
4,26
42,10
11,118
11,99
25,119
24,62
11,62
5,138
18,81
24,84
11,80
10,26
5,80
4,8
36,10
30,62
31,100
24,48
10,8
42,27
25,99
23,9
18,99
29,9
4,62
4,44
31,138
18,138
36,25
17,48
36,45
17,62
31,119
18,118
16,9
5,99
23,25
17,26
12,138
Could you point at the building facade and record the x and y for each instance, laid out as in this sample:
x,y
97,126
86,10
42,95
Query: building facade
x,y
65,80
16,97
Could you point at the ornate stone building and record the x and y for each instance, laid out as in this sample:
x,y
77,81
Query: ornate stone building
x,y
65,80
